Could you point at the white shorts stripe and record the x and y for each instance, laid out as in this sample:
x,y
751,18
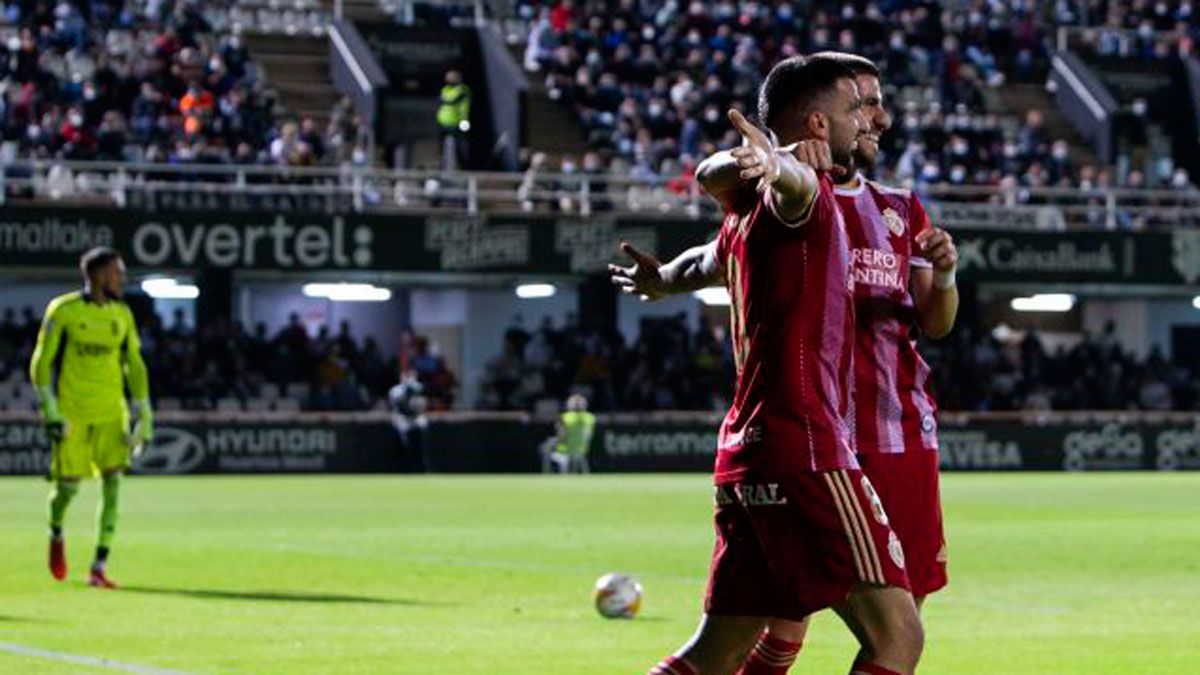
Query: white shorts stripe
x,y
872,552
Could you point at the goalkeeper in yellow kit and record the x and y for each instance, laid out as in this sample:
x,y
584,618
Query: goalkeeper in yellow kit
x,y
91,338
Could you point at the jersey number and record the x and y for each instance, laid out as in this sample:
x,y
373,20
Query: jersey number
x,y
737,321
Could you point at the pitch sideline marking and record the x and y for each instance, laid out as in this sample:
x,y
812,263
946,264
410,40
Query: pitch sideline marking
x,y
110,664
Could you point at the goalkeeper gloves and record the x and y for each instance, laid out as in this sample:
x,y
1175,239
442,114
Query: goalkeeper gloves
x,y
52,420
143,429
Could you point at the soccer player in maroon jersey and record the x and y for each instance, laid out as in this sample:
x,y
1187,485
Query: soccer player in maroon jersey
x,y
904,277
799,526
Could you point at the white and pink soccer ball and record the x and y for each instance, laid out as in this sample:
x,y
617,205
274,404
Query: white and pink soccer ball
x,y
617,596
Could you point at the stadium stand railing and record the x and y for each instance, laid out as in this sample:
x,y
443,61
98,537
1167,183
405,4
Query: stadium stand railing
x,y
365,189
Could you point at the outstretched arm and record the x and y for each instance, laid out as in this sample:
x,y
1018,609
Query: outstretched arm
x,y
788,174
649,279
718,176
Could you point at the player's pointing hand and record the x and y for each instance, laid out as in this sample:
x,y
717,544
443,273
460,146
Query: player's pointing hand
x,y
756,157
643,279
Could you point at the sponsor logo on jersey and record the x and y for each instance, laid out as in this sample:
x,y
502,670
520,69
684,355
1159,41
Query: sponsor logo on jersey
x,y
879,268
750,494
895,224
91,349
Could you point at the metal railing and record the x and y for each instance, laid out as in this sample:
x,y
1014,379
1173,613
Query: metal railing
x,y
254,187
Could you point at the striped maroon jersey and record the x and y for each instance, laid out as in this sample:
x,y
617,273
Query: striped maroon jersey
x,y
792,328
893,409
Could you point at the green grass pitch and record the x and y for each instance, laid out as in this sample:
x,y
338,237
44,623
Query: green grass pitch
x,y
1050,575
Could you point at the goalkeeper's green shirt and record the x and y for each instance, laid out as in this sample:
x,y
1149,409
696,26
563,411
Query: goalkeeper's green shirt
x,y
96,347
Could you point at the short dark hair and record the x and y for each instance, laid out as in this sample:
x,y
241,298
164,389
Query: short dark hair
x,y
95,259
859,65
794,83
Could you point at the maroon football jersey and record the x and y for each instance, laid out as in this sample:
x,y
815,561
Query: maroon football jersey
x,y
792,328
893,407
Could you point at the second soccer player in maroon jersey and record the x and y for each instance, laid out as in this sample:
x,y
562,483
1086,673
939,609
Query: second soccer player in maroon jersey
x,y
799,527
904,279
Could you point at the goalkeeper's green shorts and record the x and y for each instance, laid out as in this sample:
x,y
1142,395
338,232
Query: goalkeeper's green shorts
x,y
88,450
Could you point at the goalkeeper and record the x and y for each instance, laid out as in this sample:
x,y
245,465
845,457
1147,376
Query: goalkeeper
x,y
91,338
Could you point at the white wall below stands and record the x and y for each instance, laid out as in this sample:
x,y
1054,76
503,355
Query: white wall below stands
x,y
1140,324
273,303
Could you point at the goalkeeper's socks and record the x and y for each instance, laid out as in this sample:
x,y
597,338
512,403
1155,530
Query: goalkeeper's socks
x,y
106,519
772,655
60,498
101,559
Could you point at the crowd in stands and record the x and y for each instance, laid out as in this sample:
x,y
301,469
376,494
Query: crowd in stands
x,y
973,370
1147,31
672,366
149,82
651,81
225,362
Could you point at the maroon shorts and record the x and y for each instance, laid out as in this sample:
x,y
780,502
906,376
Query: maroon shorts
x,y
790,546
907,484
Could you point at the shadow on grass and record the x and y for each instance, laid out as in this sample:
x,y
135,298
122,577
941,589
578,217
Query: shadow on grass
x,y
272,596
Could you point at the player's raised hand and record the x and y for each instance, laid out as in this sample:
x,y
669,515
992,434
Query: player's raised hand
x,y
816,153
937,246
643,278
756,157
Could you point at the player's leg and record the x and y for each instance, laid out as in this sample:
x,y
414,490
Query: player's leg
x,y
888,628
879,609
70,461
742,591
776,648
112,458
718,647
907,485
64,490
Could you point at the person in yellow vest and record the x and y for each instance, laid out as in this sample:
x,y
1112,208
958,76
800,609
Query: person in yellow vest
x,y
454,120
575,429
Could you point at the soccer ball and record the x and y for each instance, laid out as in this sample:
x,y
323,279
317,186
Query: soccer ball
x,y
617,596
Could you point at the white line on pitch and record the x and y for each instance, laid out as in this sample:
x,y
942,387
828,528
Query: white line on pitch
x,y
86,660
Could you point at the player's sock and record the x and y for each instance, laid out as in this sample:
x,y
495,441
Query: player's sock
x,y
673,665
867,668
772,655
107,517
60,498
